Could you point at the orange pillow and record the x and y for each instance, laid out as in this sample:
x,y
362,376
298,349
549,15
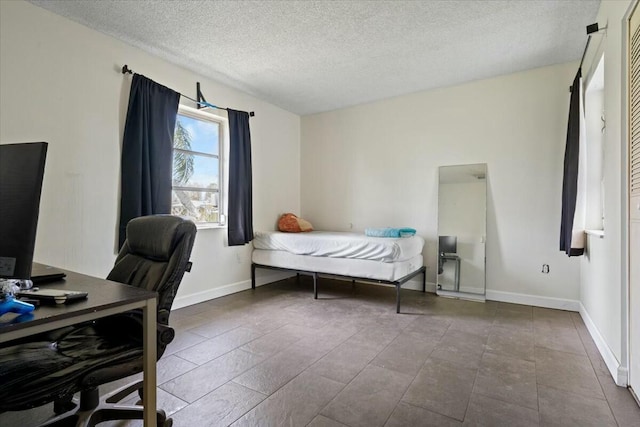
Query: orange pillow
x,y
290,223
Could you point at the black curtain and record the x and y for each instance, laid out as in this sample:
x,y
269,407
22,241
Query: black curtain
x,y
570,181
146,151
240,222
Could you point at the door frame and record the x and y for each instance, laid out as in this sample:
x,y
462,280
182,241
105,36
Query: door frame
x,y
625,220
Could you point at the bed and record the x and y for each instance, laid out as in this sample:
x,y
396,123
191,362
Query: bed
x,y
392,261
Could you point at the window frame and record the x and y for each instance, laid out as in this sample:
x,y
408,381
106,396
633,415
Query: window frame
x,y
223,137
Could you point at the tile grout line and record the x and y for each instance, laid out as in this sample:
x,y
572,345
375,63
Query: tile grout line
x,y
476,377
291,380
354,377
365,366
535,361
416,376
613,414
517,358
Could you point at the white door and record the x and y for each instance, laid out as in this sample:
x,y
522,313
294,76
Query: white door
x,y
634,202
634,306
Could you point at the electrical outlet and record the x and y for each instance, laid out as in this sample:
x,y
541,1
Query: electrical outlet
x,y
545,268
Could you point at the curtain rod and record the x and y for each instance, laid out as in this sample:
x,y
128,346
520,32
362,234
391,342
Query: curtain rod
x,y
591,29
200,102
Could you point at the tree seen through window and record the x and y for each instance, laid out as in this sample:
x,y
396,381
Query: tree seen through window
x,y
196,169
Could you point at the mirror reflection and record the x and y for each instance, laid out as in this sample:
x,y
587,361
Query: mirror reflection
x,y
462,217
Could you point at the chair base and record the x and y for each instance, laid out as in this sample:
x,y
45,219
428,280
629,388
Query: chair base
x,y
92,409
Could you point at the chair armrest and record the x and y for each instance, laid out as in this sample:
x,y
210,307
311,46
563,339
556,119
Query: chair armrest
x,y
166,334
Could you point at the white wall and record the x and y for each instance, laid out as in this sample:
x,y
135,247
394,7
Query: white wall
x,y
602,287
60,83
376,165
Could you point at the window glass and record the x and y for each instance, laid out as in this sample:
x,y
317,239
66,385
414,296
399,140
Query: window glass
x,y
196,171
202,205
193,170
204,134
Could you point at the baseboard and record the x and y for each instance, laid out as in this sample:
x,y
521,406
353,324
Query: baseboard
x,y
622,379
413,284
535,300
619,373
202,296
478,297
431,287
221,291
265,277
416,285
470,290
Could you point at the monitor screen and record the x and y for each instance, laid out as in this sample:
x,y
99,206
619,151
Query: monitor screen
x,y
21,173
448,244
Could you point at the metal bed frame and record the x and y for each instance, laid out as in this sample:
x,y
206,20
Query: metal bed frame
x,y
397,283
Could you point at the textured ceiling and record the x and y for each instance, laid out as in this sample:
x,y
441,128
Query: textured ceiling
x,y
312,56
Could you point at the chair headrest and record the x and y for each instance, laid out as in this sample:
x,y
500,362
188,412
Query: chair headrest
x,y
155,236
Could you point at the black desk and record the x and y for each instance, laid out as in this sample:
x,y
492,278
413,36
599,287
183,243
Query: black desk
x,y
105,299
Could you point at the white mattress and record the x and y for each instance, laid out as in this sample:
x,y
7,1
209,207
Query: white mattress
x,y
363,268
340,245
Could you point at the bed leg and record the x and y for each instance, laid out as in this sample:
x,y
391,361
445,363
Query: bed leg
x,y
424,280
253,276
397,297
315,285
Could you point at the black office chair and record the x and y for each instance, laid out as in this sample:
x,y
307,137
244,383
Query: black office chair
x,y
82,357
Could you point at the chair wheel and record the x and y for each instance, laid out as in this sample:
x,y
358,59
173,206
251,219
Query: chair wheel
x,y
161,420
62,406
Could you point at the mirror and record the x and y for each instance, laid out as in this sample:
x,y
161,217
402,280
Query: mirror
x,y
462,219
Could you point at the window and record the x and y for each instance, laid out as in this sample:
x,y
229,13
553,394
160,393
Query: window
x,y
595,136
197,166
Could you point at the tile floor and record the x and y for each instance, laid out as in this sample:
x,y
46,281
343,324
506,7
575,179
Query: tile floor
x,y
275,356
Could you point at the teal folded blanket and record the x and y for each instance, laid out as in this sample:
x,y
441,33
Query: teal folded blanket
x,y
389,232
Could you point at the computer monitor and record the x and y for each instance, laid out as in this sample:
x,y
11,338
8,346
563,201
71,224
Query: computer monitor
x,y
21,173
448,244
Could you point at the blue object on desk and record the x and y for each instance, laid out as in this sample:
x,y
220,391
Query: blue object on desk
x,y
11,305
